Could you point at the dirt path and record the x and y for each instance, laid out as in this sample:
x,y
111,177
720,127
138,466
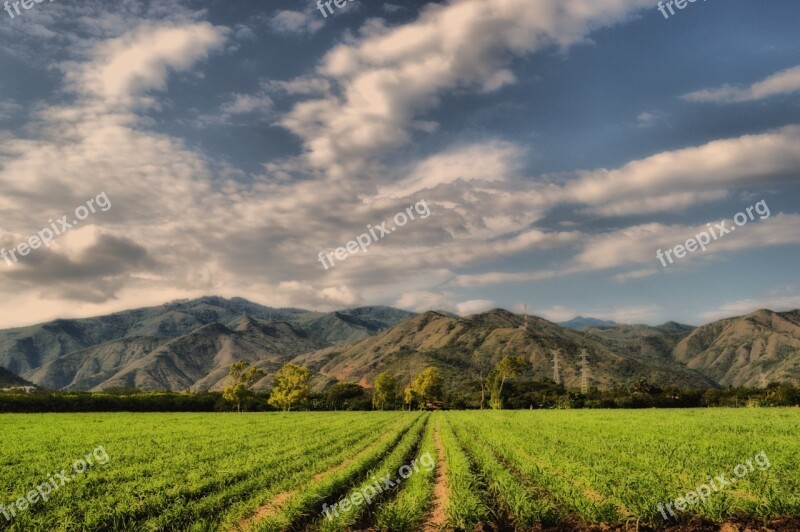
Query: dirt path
x,y
273,506
441,490
276,503
268,510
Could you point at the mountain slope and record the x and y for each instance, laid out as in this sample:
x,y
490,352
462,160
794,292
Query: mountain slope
x,y
86,368
352,325
461,346
200,359
191,344
82,354
746,351
9,379
643,340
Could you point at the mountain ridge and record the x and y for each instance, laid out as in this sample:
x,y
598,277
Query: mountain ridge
x,y
189,345
579,322
460,347
84,353
748,350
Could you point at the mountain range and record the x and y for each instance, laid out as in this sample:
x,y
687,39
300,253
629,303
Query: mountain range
x,y
179,345
579,322
190,344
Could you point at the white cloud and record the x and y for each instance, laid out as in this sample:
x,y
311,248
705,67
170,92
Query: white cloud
x,y
329,298
636,274
701,174
124,69
193,229
9,109
422,301
489,278
389,75
247,104
488,162
296,22
647,119
474,306
244,33
96,143
742,307
638,244
784,82
555,313
304,86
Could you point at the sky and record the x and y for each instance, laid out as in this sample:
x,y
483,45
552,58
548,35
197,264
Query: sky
x,y
547,149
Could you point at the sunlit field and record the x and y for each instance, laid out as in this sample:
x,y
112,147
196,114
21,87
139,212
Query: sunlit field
x,y
399,470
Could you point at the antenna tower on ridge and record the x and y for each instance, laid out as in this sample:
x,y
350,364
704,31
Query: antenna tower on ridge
x,y
556,373
584,373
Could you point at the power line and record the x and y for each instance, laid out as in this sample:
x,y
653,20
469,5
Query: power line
x,y
524,327
556,374
584,373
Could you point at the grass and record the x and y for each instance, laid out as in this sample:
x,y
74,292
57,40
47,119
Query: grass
x,y
408,509
274,471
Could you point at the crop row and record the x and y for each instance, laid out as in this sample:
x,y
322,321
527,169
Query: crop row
x,y
171,471
311,471
579,468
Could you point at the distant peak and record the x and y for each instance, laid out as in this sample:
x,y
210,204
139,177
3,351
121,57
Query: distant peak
x,y
579,322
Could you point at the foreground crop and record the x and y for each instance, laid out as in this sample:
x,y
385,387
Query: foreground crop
x,y
513,470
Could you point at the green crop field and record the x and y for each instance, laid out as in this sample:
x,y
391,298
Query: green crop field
x,y
508,470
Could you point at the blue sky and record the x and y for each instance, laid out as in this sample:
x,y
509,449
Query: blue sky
x,y
558,144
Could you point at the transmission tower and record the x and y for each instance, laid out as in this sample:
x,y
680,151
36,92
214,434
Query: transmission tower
x,y
584,373
524,327
556,373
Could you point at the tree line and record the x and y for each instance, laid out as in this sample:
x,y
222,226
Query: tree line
x,y
497,386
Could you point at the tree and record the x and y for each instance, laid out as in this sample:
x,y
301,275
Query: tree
x,y
386,388
481,372
642,386
428,386
410,397
507,368
290,387
345,395
244,376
